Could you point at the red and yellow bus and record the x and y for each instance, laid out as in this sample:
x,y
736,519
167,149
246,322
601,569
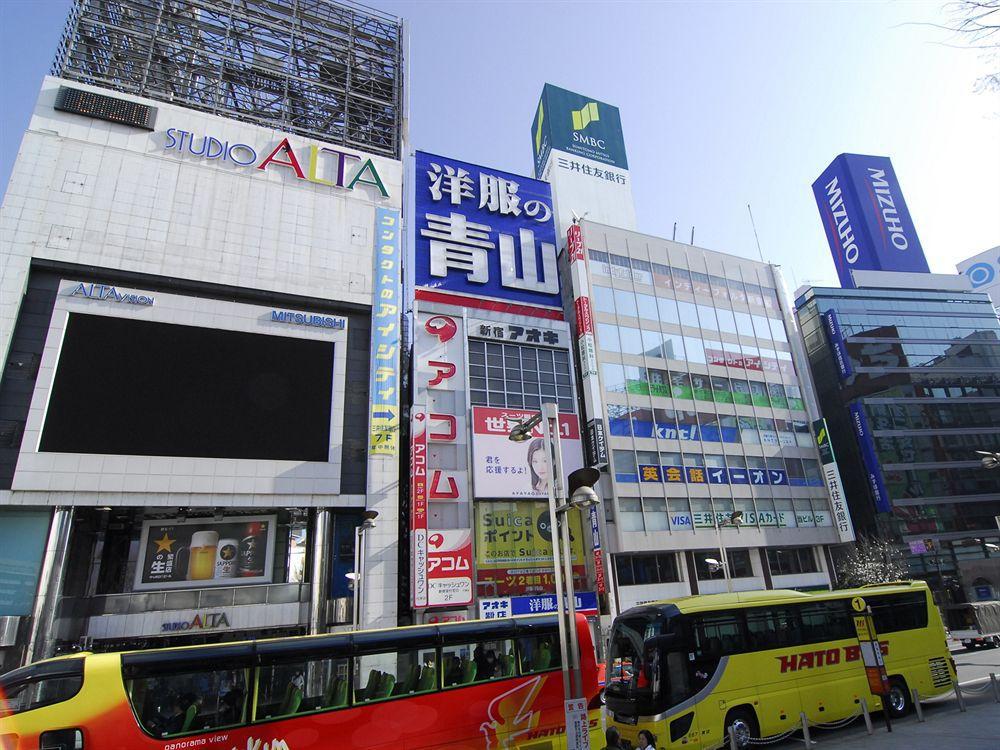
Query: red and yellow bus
x,y
688,669
482,685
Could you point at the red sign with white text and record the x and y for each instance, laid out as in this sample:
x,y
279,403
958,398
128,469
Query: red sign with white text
x,y
574,243
584,316
449,568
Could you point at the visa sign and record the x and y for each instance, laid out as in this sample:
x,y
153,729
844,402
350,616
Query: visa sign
x,y
866,219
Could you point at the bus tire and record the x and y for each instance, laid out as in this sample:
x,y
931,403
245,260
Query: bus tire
x,y
743,720
898,703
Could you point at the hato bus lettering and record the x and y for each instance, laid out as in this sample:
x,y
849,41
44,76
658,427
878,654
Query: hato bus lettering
x,y
824,657
322,159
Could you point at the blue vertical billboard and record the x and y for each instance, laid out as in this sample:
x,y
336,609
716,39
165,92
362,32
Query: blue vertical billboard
x,y
835,336
484,233
867,223
866,442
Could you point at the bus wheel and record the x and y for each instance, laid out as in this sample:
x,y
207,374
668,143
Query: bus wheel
x,y
898,701
743,722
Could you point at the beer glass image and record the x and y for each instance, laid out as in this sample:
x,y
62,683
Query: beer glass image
x,y
225,559
204,546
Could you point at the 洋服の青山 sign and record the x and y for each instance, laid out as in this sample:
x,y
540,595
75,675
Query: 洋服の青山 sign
x,y
322,165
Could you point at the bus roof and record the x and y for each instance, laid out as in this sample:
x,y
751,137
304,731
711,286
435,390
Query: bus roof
x,y
741,599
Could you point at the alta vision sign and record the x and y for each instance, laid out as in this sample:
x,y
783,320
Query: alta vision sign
x,y
323,165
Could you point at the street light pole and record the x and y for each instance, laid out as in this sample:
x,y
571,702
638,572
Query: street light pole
x,y
723,559
358,576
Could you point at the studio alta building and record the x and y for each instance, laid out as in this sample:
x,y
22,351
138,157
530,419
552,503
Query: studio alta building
x,y
695,394
200,322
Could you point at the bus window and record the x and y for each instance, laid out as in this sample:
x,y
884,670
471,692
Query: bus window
x,y
477,662
894,612
40,685
396,673
182,702
539,653
302,686
718,634
826,621
773,627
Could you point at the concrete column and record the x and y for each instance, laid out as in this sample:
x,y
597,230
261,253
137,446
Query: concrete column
x,y
320,571
41,642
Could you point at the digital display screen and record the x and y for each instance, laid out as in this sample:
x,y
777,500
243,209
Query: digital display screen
x,y
129,387
104,107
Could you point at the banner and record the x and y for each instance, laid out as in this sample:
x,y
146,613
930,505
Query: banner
x,y
418,507
875,480
867,223
514,547
199,552
595,536
22,545
504,468
449,568
835,336
383,387
834,486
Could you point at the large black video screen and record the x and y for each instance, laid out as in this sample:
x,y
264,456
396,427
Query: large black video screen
x,y
132,387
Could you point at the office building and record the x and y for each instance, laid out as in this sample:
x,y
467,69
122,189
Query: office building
x,y
201,392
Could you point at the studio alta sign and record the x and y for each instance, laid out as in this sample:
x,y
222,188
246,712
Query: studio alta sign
x,y
321,165
207,621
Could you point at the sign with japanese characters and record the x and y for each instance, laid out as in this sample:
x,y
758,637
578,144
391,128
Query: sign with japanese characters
x,y
449,568
496,608
505,469
834,486
514,548
537,335
484,233
418,507
384,385
199,552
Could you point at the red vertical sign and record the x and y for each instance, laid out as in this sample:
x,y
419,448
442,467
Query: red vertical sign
x,y
574,243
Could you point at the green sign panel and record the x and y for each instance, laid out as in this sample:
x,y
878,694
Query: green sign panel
x,y
578,125
823,441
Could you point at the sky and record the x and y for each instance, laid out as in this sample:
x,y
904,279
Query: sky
x,y
722,104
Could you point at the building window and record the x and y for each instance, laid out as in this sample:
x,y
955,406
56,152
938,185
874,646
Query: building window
x,y
636,570
739,564
519,377
785,561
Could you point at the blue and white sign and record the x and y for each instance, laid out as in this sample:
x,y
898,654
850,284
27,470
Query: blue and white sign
x,y
513,606
484,233
739,476
383,387
983,272
867,223
835,336
867,445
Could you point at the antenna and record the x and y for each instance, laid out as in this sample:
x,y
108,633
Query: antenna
x,y
754,225
675,232
692,235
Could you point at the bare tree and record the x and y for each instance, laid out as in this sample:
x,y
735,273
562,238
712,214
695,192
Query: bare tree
x,y
871,560
977,24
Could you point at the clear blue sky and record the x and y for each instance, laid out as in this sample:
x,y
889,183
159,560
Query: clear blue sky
x,y
722,104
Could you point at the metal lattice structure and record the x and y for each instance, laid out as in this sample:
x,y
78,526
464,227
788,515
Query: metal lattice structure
x,y
327,70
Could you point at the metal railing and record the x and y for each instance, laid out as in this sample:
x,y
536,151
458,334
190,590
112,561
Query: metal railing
x,y
137,602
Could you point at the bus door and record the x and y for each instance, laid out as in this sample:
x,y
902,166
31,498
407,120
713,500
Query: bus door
x,y
828,683
773,636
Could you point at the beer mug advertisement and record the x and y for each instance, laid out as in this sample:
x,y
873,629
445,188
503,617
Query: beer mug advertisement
x,y
199,552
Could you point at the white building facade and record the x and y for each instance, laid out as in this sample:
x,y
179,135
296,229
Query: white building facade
x,y
200,319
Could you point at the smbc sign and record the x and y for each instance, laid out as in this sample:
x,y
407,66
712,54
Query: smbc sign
x,y
578,125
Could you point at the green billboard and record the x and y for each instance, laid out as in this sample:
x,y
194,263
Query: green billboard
x,y
578,125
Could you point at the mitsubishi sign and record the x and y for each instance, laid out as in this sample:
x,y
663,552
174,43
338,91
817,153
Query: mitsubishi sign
x,y
866,219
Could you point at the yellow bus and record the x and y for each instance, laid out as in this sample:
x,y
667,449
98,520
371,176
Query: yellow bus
x,y
688,669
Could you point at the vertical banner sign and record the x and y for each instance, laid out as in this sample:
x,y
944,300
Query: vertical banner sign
x,y
871,649
449,568
867,223
595,536
577,724
867,445
574,243
418,506
835,336
831,474
384,385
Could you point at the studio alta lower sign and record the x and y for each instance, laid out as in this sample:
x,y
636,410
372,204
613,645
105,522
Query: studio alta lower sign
x,y
201,621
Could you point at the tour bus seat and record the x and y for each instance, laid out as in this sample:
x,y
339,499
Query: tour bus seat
x,y
405,682
469,669
542,658
189,717
386,685
292,701
374,677
428,679
336,696
506,665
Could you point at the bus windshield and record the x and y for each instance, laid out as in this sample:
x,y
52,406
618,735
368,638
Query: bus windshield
x,y
646,667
